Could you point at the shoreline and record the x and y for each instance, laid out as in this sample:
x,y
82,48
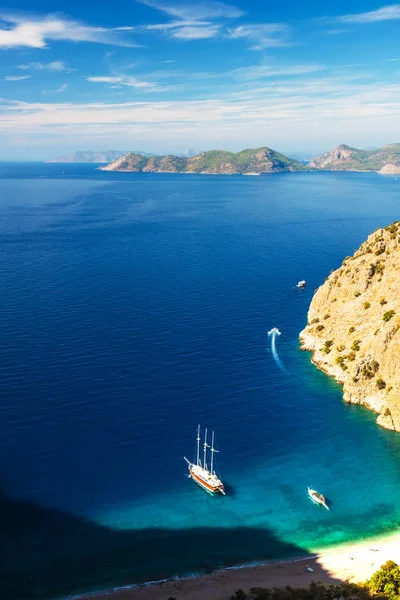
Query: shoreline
x,y
351,561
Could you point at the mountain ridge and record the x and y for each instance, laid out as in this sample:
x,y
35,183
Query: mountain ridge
x,y
249,161
384,160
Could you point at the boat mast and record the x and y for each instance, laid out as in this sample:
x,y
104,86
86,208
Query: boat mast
x,y
198,446
205,450
212,452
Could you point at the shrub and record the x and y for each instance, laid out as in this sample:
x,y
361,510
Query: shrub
x,y
351,356
367,305
383,301
357,294
340,348
388,315
380,384
327,346
380,251
356,345
334,300
379,268
352,329
316,320
320,327
326,317
386,580
340,361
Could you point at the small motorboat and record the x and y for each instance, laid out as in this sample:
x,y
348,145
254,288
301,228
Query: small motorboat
x,y
317,498
301,284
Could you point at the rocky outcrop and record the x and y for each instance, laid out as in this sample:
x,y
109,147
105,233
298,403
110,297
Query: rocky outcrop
x,y
342,157
345,158
390,169
354,322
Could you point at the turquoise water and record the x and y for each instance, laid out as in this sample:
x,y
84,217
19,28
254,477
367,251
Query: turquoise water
x,y
136,306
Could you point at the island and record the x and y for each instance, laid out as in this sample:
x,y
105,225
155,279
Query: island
x,y
353,326
385,160
218,162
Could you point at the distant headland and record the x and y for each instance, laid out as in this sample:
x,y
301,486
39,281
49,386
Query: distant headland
x,y
385,160
353,327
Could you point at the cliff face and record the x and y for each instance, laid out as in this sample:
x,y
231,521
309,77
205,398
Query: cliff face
x,y
341,158
353,326
260,160
345,158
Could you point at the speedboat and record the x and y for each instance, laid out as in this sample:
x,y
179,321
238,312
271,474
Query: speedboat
x,y
317,498
301,284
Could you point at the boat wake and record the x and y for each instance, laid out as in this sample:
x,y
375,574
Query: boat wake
x,y
273,334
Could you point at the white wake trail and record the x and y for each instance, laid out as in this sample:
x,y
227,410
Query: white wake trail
x,y
273,334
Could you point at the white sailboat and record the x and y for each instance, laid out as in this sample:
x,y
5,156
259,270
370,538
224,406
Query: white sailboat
x,y
200,473
317,498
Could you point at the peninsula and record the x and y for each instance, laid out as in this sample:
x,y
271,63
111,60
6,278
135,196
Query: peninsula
x,y
353,326
385,160
247,162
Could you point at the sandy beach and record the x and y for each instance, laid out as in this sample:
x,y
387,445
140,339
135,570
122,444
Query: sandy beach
x,y
352,562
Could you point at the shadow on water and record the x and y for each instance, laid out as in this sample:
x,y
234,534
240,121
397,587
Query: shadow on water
x,y
47,553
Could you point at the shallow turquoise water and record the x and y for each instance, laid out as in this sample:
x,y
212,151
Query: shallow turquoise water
x,y
136,306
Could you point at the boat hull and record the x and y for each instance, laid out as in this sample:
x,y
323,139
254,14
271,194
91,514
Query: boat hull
x,y
211,489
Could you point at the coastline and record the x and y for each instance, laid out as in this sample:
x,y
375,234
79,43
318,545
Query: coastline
x,y
354,562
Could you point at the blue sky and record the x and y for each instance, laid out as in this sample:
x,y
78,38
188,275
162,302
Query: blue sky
x,y
165,75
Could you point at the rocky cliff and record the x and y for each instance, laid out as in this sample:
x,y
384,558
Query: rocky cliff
x,y
345,158
260,160
390,168
353,326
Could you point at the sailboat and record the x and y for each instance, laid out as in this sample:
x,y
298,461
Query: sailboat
x,y
199,471
318,498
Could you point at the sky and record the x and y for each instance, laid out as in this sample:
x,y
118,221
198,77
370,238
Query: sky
x,y
163,76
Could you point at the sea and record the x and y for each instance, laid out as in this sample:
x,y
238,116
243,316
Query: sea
x,y
135,306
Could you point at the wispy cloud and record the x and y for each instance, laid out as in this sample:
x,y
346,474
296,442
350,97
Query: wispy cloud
x,y
386,13
61,89
56,65
195,11
263,71
267,35
193,20
16,77
334,31
19,31
128,81
196,33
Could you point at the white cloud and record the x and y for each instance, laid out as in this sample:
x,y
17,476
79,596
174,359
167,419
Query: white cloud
x,y
127,80
19,31
196,33
62,88
267,35
16,77
386,13
262,71
56,65
194,10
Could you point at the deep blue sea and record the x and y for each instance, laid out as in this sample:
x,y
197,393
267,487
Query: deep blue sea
x,y
132,308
